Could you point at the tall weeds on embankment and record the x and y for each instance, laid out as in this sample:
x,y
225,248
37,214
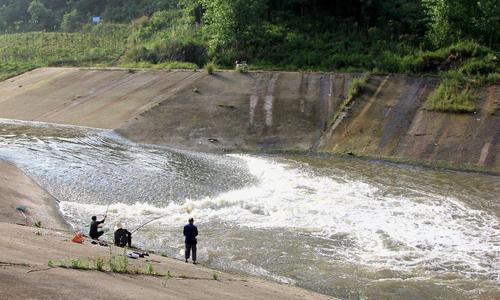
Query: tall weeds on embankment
x,y
99,45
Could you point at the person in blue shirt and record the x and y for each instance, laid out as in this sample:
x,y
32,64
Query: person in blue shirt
x,y
190,232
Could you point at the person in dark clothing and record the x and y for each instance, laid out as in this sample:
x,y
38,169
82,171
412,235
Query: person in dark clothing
x,y
190,232
123,237
94,233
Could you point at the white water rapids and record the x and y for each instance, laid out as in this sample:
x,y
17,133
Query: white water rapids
x,y
335,230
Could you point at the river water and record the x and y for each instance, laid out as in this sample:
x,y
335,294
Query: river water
x,y
349,228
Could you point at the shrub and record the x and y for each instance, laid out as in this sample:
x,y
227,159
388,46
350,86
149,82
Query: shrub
x,y
150,270
76,264
480,66
210,68
118,263
99,264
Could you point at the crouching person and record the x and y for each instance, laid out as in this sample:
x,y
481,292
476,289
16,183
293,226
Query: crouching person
x,y
123,237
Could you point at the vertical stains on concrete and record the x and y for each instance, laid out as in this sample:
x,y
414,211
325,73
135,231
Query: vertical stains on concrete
x,y
304,82
323,108
256,93
338,92
269,100
261,110
400,114
484,153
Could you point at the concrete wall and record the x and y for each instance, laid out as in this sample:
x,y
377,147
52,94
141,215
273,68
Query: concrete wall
x,y
261,111
257,110
388,119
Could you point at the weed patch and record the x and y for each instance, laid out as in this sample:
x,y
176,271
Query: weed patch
x,y
356,88
454,94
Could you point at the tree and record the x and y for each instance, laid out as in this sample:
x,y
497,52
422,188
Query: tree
x,y
40,15
232,25
71,21
450,20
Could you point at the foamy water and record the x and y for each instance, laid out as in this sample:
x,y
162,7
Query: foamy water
x,y
333,230
424,232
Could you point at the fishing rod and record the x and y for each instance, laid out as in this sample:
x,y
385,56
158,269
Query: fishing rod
x,y
107,208
146,224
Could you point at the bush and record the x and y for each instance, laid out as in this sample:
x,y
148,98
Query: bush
x,y
71,21
210,68
77,264
99,264
480,66
118,264
150,270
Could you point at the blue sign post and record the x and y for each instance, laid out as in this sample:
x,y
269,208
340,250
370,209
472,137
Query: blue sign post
x,y
96,19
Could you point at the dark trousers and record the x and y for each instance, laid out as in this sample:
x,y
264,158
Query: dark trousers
x,y
99,233
190,248
129,241
122,242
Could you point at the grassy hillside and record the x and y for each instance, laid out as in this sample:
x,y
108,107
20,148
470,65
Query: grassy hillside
x,y
99,46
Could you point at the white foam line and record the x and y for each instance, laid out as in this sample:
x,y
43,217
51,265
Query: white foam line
x,y
397,232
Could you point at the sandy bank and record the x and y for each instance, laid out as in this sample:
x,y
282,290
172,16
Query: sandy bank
x,y
25,252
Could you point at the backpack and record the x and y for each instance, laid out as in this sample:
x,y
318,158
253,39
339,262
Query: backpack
x,y
78,238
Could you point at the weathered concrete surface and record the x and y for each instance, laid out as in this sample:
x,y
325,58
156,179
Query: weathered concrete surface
x,y
18,189
87,97
389,120
260,110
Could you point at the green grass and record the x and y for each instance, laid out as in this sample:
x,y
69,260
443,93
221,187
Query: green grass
x,y
99,264
118,264
357,87
215,276
78,264
165,42
171,65
150,270
453,95
100,46
8,70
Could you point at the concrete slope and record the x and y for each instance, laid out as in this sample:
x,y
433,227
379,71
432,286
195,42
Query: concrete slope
x,y
261,111
388,119
86,97
257,110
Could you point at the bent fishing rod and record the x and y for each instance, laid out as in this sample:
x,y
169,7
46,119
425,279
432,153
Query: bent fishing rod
x,y
140,226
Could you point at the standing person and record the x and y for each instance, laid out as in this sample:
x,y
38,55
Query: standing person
x,y
94,233
123,237
190,232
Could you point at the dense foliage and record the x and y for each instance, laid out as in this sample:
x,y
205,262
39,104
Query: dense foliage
x,y
50,15
458,39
